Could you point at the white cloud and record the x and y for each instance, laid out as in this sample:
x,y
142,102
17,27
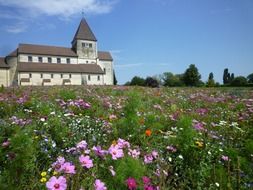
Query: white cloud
x,y
16,28
128,65
61,8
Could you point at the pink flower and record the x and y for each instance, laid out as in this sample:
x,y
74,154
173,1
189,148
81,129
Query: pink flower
x,y
57,184
148,159
58,165
131,183
134,153
99,185
116,152
224,158
69,168
82,145
86,161
146,180
155,154
6,144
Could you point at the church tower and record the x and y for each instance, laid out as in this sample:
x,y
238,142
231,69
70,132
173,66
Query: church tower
x,y
85,43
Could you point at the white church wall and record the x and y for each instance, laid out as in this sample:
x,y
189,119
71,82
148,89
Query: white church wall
x,y
4,77
37,79
35,58
108,66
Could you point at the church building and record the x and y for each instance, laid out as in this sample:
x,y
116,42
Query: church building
x,y
40,65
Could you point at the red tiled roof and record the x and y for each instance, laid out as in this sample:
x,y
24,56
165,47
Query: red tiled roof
x,y
106,56
59,68
46,50
3,63
84,32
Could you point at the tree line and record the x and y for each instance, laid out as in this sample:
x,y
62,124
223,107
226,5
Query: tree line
x,y
191,77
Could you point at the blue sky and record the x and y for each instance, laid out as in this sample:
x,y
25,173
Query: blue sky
x,y
145,37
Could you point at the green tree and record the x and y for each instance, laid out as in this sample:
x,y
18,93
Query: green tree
x,y
137,81
210,82
151,82
239,81
114,78
226,76
210,77
169,79
191,76
250,78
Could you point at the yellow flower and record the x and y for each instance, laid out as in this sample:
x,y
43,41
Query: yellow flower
x,y
43,180
43,174
199,144
55,173
36,137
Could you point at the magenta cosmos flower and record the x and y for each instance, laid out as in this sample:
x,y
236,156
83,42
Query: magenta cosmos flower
x,y
116,152
86,161
99,185
131,183
69,168
57,183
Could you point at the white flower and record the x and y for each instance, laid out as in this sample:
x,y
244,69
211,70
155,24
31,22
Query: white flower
x,y
217,184
181,157
170,159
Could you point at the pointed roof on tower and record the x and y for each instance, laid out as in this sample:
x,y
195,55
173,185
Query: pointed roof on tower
x,y
84,32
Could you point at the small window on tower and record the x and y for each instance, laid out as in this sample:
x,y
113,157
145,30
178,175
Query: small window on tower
x,y
88,77
98,77
30,75
83,45
30,58
40,59
61,75
49,59
58,60
70,76
41,75
68,60
52,76
90,45
104,71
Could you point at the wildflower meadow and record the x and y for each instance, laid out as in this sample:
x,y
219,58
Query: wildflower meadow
x,y
126,138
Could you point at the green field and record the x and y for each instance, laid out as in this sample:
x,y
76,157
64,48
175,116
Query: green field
x,y
120,138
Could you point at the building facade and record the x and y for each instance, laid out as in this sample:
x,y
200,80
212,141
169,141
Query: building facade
x,y
40,65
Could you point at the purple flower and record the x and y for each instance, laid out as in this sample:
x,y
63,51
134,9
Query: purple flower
x,y
116,152
57,183
148,159
134,153
199,126
86,161
171,148
99,185
82,145
123,143
131,183
99,152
